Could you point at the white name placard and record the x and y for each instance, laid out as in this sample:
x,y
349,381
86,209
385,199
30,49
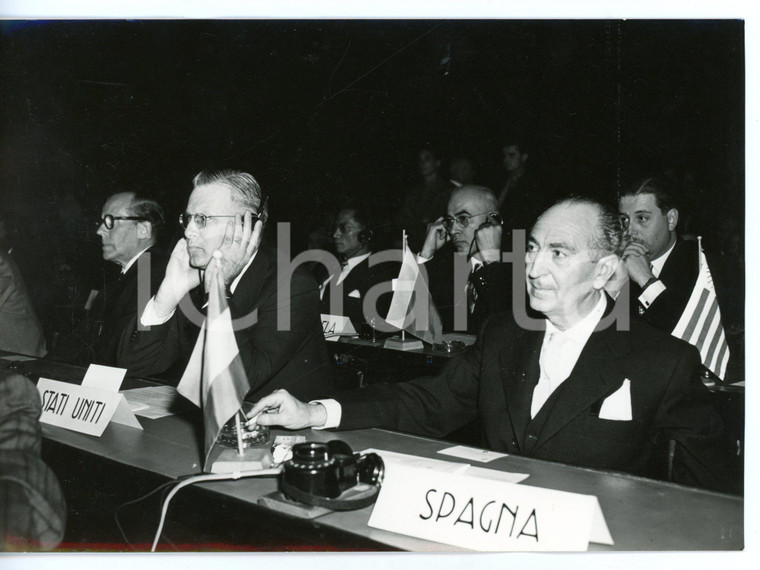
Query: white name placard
x,y
87,408
485,515
334,326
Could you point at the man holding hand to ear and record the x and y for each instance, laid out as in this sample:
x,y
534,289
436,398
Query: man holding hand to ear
x,y
226,213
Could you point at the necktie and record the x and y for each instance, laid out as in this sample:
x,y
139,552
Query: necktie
x,y
556,366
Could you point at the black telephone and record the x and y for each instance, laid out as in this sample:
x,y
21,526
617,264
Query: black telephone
x,y
331,475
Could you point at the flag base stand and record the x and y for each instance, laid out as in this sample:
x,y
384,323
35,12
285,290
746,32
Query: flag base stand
x,y
227,460
397,343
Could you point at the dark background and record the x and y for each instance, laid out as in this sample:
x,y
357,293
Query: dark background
x,y
320,109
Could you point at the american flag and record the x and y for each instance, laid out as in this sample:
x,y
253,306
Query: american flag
x,y
700,323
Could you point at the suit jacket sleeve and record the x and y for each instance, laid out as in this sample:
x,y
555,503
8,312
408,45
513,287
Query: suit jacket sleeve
x,y
432,405
679,276
268,346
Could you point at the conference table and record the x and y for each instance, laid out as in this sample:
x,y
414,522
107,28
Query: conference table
x,y
104,476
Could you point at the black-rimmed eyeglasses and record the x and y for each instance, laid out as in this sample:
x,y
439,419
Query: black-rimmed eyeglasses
x,y
108,220
463,220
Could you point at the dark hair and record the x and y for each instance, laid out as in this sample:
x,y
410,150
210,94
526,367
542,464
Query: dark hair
x,y
518,141
245,190
663,192
608,234
150,210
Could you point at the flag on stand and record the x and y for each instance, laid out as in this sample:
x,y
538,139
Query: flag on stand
x,y
700,323
215,379
412,308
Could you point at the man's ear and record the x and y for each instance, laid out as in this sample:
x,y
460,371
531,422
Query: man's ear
x,y
672,216
144,229
605,270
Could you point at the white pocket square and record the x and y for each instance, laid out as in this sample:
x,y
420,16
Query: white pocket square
x,y
617,406
355,294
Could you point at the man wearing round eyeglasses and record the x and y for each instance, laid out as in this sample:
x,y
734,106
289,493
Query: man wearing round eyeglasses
x,y
129,227
226,213
462,255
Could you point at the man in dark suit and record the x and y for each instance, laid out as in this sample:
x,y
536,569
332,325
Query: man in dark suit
x,y
575,391
354,241
129,228
462,258
662,267
275,317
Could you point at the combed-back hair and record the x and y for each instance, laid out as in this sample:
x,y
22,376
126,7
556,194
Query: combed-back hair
x,y
608,235
663,192
245,190
149,210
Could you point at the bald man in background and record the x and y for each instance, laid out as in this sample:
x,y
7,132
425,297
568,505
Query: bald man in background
x,y
468,238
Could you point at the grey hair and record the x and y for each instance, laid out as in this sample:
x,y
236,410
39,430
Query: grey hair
x,y
245,190
149,210
608,236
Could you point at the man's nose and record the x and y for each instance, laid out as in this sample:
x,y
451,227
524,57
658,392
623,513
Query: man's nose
x,y
535,263
101,231
191,229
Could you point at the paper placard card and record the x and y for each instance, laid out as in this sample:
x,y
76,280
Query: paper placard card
x,y
480,514
335,326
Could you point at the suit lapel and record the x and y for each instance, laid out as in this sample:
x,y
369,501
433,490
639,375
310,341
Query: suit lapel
x,y
248,289
520,372
594,377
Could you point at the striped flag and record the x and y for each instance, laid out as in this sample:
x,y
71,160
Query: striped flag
x,y
215,379
412,308
700,323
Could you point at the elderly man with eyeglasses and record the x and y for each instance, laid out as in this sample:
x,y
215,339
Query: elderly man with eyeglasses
x,y
128,227
462,256
226,213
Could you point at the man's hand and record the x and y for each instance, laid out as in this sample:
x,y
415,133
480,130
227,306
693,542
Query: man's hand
x,y
636,263
435,238
488,240
241,241
281,409
179,280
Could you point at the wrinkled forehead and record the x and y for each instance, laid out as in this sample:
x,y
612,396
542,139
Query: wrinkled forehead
x,y
570,226
467,202
212,199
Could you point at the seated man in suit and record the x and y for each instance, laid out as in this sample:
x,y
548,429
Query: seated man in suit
x,y
129,228
662,267
462,256
275,317
354,240
568,388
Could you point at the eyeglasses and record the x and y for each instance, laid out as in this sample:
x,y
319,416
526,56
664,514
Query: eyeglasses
x,y
345,228
199,219
108,220
462,220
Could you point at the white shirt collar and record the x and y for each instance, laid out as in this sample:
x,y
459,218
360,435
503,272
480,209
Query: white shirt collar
x,y
657,264
581,330
132,261
352,262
